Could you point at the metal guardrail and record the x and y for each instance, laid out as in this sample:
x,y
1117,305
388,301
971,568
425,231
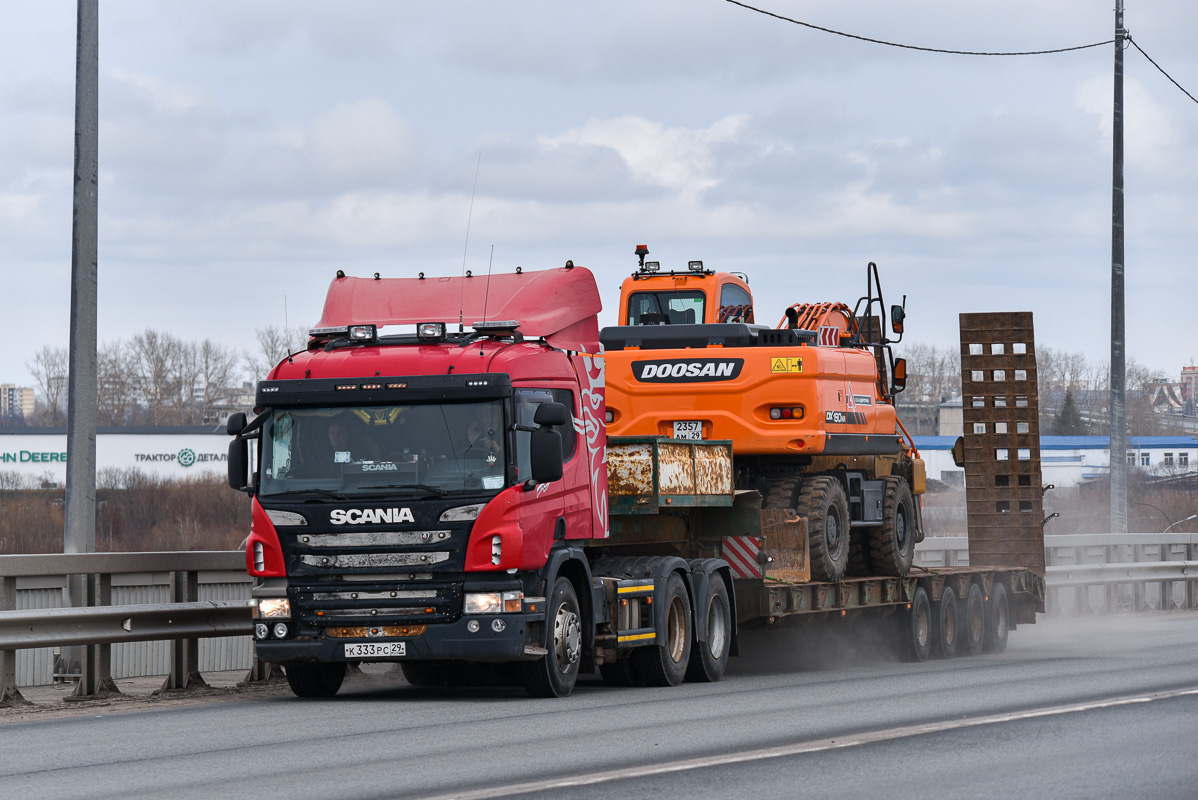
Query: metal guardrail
x,y
1126,563
99,624
1101,572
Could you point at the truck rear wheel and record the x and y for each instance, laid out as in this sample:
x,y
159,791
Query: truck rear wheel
x,y
315,680
709,658
665,664
975,621
946,628
914,628
892,544
822,501
998,620
554,674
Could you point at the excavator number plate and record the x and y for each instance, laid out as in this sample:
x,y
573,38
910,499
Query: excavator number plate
x,y
688,429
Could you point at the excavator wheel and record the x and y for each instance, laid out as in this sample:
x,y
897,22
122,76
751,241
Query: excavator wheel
x,y
859,561
822,501
892,544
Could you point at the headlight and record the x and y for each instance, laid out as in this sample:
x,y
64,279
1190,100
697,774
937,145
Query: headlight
x,y
274,607
280,630
462,513
493,602
260,630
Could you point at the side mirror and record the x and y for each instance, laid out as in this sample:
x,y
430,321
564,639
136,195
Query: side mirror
x,y
545,452
897,315
550,414
236,424
900,375
959,451
239,463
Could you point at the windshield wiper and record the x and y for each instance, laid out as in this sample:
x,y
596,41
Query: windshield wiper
x,y
439,492
336,495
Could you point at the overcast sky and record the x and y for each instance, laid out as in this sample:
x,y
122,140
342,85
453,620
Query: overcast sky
x,y
248,150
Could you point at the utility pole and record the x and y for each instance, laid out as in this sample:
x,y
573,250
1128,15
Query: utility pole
x,y
1118,405
80,533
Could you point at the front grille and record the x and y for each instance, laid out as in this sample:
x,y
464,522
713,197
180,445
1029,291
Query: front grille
x,y
378,602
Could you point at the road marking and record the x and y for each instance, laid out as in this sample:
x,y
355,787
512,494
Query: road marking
x,y
798,748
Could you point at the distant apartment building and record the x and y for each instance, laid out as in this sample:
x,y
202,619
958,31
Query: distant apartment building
x,y
15,401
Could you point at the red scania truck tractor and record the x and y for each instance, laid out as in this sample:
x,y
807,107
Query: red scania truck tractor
x,y
450,500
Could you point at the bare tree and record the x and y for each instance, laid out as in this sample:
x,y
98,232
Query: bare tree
x,y
274,344
49,368
118,383
218,371
154,355
933,377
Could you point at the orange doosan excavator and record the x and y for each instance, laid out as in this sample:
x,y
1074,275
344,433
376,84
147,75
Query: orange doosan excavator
x,y
808,405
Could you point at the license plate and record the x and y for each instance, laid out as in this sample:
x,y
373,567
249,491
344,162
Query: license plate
x,y
376,650
688,429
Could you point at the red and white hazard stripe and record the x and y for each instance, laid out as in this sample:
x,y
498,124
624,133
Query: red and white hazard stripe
x,y
743,553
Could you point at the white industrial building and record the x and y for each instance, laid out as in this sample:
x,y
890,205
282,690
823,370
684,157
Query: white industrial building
x,y
1072,460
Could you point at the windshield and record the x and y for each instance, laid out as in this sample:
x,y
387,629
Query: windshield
x,y
436,448
665,308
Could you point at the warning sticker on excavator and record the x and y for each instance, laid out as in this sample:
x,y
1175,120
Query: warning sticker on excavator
x,y
786,365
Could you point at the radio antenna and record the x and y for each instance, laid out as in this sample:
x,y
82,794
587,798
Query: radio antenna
x,y
465,247
487,294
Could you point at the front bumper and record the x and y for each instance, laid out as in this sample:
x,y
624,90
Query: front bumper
x,y
518,641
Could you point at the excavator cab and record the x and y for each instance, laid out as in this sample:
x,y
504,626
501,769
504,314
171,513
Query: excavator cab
x,y
696,296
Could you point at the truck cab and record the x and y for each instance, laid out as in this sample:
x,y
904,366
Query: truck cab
x,y
417,494
694,296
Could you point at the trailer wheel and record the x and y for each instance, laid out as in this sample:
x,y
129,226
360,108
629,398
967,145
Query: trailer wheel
x,y
914,628
892,544
974,621
315,680
945,641
998,620
823,503
554,674
665,664
709,659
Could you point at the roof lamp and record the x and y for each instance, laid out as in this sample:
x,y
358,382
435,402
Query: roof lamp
x,y
430,331
694,266
496,325
328,331
651,266
363,333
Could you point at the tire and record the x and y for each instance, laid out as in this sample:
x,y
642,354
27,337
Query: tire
x,y
914,628
665,664
709,658
822,501
422,674
892,544
859,562
974,622
315,680
620,673
998,620
554,674
945,625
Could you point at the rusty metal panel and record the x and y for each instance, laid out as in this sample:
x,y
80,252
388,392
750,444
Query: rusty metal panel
x,y
630,469
713,468
676,465
784,539
1002,441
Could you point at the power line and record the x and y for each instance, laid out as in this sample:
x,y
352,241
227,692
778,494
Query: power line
x,y
924,49
1158,66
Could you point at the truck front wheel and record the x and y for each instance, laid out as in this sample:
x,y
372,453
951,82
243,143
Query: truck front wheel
x,y
315,680
554,674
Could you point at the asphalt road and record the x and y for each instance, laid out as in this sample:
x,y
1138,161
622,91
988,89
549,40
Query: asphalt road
x,y
1094,708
